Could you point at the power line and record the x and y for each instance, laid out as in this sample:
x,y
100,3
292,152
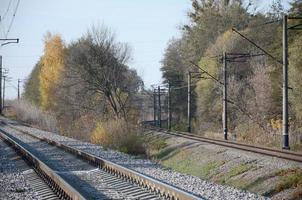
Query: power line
x,y
8,7
11,85
265,23
256,45
13,18
204,71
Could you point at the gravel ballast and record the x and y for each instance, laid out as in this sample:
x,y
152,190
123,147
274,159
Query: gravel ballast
x,y
189,183
13,184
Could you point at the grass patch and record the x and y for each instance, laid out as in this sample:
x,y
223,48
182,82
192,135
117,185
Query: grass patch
x,y
258,181
170,151
209,167
239,169
185,162
157,144
291,178
31,114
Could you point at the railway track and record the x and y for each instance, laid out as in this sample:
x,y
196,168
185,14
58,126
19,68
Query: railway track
x,y
33,177
80,175
284,154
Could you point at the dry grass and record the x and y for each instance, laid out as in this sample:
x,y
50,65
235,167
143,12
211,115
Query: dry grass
x,y
255,135
119,135
290,178
28,113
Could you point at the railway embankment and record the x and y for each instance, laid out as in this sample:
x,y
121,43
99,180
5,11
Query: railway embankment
x,y
264,175
195,185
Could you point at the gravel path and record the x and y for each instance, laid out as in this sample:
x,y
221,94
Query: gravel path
x,y
186,182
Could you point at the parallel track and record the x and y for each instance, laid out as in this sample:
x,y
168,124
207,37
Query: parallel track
x,y
284,154
128,183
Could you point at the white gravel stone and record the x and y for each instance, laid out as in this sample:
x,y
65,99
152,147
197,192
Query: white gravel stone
x,y
13,184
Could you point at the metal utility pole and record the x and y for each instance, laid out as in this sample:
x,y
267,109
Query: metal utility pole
x,y
154,107
285,86
159,108
19,89
225,103
285,123
189,102
7,41
0,85
230,57
169,107
3,97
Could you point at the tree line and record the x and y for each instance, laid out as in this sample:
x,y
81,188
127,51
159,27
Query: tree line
x,y
88,81
255,86
85,82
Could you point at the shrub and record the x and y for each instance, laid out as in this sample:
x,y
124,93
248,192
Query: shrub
x,y
119,135
157,144
31,114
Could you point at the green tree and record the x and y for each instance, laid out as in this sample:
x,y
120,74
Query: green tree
x,y
32,85
174,72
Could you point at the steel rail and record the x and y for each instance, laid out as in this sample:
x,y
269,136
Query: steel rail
x,y
284,154
56,182
153,185
36,181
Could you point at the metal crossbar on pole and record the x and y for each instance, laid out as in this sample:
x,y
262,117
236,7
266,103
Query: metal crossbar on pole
x,y
9,41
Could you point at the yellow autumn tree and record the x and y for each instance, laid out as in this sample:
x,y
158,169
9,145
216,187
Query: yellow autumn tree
x,y
52,67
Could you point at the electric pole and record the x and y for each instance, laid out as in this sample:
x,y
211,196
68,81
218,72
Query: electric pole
x,y
189,102
3,97
225,103
285,123
230,57
285,86
19,89
169,106
159,108
7,41
0,85
154,107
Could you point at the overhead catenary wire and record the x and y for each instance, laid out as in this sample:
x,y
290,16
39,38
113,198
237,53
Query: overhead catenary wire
x,y
204,71
265,23
11,85
13,18
5,14
256,45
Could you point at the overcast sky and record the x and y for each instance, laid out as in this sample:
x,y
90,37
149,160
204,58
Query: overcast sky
x,y
146,25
